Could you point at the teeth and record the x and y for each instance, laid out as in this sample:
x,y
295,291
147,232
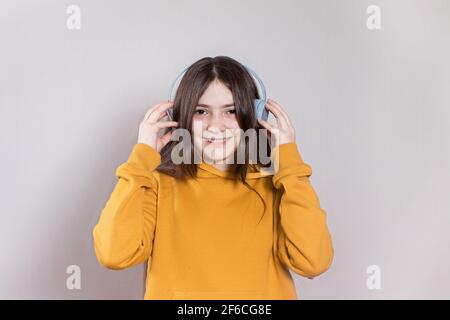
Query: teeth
x,y
216,140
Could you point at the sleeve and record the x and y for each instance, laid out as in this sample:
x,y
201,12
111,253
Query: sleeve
x,y
123,236
304,242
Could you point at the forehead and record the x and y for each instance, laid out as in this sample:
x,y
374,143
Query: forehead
x,y
217,94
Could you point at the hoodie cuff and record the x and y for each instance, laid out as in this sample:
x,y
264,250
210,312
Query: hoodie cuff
x,y
288,163
145,156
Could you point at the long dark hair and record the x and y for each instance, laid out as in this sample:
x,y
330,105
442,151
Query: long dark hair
x,y
192,86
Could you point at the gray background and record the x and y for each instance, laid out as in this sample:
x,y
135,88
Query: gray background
x,y
370,107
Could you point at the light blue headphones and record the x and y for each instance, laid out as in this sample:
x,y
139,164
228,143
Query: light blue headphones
x,y
260,110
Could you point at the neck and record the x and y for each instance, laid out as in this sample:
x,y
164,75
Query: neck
x,y
221,166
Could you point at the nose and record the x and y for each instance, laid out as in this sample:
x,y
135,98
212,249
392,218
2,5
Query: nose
x,y
216,123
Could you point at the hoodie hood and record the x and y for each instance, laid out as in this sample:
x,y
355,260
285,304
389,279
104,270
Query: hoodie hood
x,y
206,170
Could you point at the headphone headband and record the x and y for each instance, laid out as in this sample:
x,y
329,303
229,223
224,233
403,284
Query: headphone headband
x,y
260,85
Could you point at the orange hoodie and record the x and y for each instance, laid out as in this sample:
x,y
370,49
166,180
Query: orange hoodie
x,y
210,238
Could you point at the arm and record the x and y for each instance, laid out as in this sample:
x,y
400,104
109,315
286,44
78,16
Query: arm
x,y
123,236
304,242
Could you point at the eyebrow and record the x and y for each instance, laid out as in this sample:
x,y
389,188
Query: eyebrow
x,y
208,106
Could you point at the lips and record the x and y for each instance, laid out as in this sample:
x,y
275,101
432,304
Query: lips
x,y
216,140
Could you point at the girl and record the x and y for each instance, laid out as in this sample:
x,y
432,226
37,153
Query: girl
x,y
215,229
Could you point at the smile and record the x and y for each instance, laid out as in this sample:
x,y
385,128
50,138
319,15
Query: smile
x,y
213,140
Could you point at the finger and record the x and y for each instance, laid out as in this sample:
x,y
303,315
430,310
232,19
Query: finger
x,y
275,107
266,124
156,113
150,110
278,106
282,118
166,138
163,115
161,106
278,115
165,124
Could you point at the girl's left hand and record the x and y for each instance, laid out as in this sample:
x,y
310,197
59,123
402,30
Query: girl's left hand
x,y
284,132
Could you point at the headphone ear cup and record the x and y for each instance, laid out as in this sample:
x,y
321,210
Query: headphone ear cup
x,y
260,109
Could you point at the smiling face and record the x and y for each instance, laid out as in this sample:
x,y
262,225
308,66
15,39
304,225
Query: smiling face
x,y
215,127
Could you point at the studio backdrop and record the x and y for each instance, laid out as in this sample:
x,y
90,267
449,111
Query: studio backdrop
x,y
365,83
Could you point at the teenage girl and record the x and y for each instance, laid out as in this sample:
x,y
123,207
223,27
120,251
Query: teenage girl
x,y
218,228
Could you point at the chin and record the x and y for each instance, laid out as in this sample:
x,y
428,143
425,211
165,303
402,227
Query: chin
x,y
216,156
217,159
218,153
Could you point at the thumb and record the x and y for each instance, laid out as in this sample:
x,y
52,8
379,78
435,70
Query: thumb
x,y
166,138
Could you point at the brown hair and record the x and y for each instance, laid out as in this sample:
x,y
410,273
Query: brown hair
x,y
192,86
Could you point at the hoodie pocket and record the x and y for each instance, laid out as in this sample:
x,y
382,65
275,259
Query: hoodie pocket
x,y
217,295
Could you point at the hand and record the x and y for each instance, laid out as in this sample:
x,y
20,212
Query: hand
x,y
284,132
151,124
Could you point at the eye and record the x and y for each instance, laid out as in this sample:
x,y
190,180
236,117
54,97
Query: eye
x,y
232,111
200,111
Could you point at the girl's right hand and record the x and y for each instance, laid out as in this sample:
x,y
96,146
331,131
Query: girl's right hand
x,y
151,124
